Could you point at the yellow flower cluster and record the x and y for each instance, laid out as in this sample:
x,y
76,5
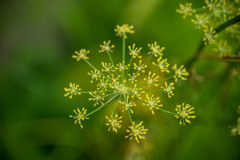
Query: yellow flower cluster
x,y
129,83
235,131
209,17
184,113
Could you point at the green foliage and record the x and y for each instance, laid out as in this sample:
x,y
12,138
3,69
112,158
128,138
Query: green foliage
x,y
37,41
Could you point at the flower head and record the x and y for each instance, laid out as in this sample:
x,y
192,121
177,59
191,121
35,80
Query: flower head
x,y
106,47
114,122
102,85
133,77
235,131
200,21
184,113
140,67
180,72
107,67
126,82
162,64
155,49
122,30
97,97
72,90
95,75
152,103
136,131
80,116
137,91
122,66
223,48
209,36
169,89
81,54
127,105
152,79
186,10
135,51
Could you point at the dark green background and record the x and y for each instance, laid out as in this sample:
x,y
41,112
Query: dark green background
x,y
37,41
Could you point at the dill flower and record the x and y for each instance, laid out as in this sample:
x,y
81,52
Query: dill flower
x,y
127,105
155,49
126,82
106,47
140,67
222,48
235,131
180,72
80,116
169,89
121,66
209,36
152,79
212,15
95,75
132,78
152,103
162,64
72,90
102,85
186,10
137,91
135,51
122,30
136,131
114,122
81,54
184,113
107,67
200,21
97,97
210,4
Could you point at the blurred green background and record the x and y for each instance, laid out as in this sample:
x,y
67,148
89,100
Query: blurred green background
x,y
36,44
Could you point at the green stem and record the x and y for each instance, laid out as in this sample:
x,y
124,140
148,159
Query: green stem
x,y
116,105
111,60
221,27
130,63
101,106
129,114
153,90
123,56
94,91
109,94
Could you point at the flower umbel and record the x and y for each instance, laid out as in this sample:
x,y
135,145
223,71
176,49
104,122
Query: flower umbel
x,y
169,89
106,47
136,131
186,10
80,116
114,122
184,113
134,51
72,90
122,30
152,103
180,72
81,54
128,82
155,49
